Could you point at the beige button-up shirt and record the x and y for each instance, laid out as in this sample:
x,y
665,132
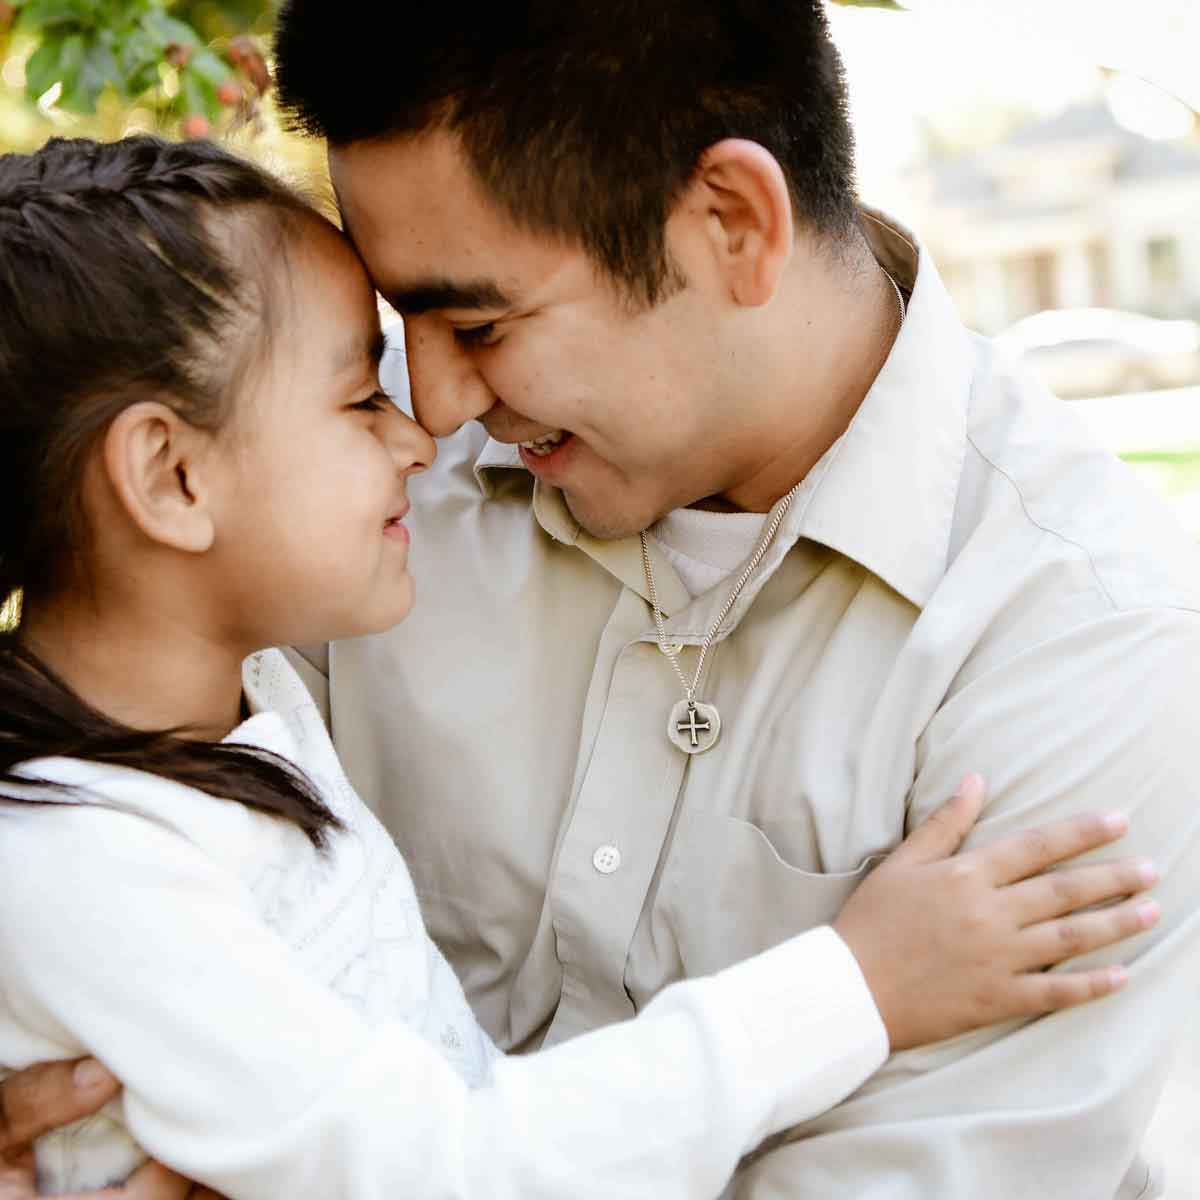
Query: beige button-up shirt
x,y
964,582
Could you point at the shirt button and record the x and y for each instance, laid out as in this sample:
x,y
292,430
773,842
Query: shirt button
x,y
671,649
606,859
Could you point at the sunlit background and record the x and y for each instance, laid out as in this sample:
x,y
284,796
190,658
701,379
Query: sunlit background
x,y
1047,152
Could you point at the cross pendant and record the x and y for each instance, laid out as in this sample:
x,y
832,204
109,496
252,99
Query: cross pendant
x,y
694,727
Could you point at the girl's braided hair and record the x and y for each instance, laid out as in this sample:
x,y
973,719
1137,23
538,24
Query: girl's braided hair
x,y
124,275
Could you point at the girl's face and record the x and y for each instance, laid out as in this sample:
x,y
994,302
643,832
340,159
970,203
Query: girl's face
x,y
311,543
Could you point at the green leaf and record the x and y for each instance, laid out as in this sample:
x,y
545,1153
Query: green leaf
x,y
166,30
97,71
37,15
70,59
41,71
198,95
137,51
209,67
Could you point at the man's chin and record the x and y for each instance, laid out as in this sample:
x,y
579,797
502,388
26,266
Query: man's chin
x,y
607,524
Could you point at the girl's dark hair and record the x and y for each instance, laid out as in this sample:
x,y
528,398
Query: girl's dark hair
x,y
125,274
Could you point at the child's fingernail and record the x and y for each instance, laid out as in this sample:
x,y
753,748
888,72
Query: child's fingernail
x,y
1116,822
89,1075
1147,872
970,782
1148,912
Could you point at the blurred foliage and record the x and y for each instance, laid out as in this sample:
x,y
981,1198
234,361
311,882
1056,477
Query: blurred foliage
x,y
107,68
197,63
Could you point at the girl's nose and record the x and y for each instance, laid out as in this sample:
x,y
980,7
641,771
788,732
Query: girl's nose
x,y
411,447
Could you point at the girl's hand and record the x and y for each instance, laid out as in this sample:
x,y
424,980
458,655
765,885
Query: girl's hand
x,y
49,1095
950,942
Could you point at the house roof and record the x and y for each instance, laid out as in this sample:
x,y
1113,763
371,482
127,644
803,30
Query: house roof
x,y
966,180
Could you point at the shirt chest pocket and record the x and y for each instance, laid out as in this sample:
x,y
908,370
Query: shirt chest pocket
x,y
727,892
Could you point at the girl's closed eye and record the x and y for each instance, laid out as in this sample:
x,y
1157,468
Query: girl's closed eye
x,y
375,402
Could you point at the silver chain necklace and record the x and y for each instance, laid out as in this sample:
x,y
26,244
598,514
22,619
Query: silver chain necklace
x,y
694,726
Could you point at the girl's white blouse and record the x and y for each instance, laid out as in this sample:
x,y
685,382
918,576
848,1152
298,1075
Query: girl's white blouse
x,y
284,1026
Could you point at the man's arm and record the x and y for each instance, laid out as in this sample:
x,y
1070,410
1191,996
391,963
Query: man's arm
x,y
1106,716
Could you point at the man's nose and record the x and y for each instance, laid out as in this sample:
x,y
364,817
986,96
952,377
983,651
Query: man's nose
x,y
447,389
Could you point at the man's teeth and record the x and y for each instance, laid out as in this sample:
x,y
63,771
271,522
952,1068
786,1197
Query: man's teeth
x,y
544,444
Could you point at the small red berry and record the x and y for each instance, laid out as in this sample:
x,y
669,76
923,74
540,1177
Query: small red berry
x,y
229,93
195,125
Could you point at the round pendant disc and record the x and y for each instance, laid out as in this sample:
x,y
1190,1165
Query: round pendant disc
x,y
694,728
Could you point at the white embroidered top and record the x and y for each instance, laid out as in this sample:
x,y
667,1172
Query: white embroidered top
x,y
284,1026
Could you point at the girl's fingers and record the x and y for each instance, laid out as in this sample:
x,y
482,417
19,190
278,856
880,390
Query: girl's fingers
x,y
1058,893
1035,994
1052,942
153,1181
943,831
1032,851
48,1096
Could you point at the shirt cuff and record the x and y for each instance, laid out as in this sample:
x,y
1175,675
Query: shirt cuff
x,y
812,1028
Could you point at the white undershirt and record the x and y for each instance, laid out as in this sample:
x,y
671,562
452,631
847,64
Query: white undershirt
x,y
707,547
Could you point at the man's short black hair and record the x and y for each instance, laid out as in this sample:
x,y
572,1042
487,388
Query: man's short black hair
x,y
585,119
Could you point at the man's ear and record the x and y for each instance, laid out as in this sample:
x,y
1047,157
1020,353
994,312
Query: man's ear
x,y
155,464
741,192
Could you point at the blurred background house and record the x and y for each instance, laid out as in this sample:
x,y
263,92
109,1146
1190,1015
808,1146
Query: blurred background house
x,y
1048,155
1070,211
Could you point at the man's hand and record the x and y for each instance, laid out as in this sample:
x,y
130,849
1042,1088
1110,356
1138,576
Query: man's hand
x,y
952,942
50,1095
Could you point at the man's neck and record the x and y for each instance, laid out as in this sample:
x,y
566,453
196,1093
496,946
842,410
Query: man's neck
x,y
824,376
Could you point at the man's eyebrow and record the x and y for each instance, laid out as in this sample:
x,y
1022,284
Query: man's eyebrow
x,y
423,295
354,351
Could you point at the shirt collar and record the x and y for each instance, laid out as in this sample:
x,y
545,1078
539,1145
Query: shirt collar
x,y
883,494
886,497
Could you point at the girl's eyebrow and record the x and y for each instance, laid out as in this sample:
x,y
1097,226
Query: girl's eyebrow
x,y
422,295
354,351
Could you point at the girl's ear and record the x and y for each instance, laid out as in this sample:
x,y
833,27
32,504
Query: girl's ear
x,y
155,463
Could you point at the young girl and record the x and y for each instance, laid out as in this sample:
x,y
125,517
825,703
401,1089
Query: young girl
x,y
196,463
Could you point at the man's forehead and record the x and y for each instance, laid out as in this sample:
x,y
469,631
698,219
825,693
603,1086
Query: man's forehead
x,y
412,188
429,236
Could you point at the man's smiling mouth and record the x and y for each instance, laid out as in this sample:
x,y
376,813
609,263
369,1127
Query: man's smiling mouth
x,y
546,443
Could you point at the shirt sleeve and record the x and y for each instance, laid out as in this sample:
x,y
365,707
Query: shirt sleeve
x,y
120,937
1105,717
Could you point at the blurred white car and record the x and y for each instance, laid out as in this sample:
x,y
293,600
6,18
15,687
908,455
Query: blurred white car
x,y
1082,352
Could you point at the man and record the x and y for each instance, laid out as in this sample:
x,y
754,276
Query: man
x,y
640,298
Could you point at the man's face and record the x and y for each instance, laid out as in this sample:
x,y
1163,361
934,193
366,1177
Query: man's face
x,y
521,333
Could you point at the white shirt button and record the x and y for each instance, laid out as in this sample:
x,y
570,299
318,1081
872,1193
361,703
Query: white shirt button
x,y
671,649
606,859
